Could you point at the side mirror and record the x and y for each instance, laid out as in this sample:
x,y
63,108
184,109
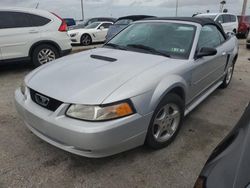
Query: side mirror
x,y
101,28
220,22
206,52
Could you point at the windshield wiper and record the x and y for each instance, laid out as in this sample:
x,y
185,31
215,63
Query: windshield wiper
x,y
149,49
116,46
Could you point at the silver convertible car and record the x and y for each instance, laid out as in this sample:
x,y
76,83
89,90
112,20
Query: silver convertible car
x,y
134,90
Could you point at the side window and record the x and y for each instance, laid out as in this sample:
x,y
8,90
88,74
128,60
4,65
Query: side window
x,y
226,18
209,37
106,25
38,20
92,21
220,19
222,38
6,20
21,19
233,18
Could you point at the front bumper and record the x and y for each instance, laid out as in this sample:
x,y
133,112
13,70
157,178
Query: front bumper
x,y
75,40
90,139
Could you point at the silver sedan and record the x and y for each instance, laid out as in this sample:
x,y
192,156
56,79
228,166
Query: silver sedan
x,y
134,90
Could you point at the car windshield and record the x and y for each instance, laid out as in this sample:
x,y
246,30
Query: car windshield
x,y
123,22
206,16
93,25
169,39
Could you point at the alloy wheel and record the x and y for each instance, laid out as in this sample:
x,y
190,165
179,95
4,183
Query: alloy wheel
x,y
229,74
46,55
166,122
86,40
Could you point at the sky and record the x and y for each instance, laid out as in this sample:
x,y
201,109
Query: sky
x,y
118,8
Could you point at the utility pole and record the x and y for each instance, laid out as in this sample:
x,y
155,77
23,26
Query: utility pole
x,y
37,5
244,7
222,3
176,9
82,10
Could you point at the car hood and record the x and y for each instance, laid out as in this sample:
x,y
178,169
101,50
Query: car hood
x,y
82,79
229,164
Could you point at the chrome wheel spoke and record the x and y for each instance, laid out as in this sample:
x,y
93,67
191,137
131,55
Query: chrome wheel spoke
x,y
175,114
45,56
158,133
166,122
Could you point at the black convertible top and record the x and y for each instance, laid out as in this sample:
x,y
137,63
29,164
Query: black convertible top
x,y
199,20
135,17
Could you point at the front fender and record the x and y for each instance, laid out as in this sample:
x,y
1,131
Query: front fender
x,y
165,86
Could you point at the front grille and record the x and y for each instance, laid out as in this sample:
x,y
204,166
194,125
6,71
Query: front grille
x,y
51,104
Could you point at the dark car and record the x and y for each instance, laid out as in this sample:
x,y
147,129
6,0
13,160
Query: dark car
x,y
123,22
70,21
244,26
92,20
229,164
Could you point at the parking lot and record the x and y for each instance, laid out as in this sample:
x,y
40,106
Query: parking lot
x,y
27,161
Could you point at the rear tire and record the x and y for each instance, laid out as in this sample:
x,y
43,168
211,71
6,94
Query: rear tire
x,y
228,76
166,122
43,54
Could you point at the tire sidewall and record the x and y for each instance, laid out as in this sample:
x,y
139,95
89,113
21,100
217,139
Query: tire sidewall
x,y
169,98
225,84
89,38
38,49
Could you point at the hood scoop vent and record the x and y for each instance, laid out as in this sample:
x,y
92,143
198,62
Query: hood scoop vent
x,y
104,58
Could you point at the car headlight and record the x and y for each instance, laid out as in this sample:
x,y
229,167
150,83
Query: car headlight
x,y
102,112
73,34
23,88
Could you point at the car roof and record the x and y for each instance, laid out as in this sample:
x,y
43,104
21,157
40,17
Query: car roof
x,y
21,9
199,20
135,17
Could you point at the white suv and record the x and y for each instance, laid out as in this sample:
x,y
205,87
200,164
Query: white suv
x,y
229,22
32,34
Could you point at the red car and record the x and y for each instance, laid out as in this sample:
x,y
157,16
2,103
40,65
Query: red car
x,y
244,26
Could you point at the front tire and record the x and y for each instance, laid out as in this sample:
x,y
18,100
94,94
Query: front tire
x,y
166,122
43,54
86,40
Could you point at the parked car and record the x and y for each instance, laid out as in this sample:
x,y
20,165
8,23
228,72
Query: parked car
x,y
92,20
136,89
229,164
244,26
229,22
123,22
32,34
94,32
70,22
248,41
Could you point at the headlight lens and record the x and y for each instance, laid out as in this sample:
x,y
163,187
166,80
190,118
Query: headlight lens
x,y
73,34
100,113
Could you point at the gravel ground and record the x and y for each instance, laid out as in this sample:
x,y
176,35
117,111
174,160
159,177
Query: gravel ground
x,y
27,161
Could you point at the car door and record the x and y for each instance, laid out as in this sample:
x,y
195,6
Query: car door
x,y
102,31
210,69
16,34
